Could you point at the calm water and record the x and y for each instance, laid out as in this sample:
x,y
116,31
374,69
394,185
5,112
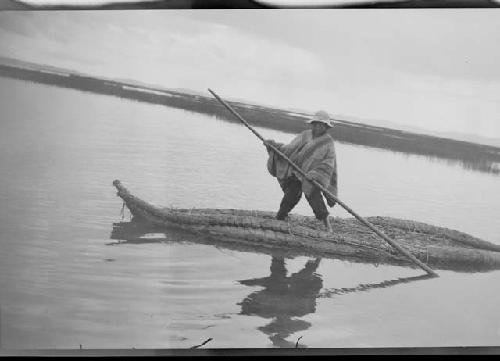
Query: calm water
x,y
63,285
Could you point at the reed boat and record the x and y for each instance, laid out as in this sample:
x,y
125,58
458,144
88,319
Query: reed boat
x,y
438,247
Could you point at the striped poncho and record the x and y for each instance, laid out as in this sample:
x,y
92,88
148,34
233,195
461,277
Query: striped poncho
x,y
315,156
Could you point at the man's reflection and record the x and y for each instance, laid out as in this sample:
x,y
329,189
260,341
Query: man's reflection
x,y
284,298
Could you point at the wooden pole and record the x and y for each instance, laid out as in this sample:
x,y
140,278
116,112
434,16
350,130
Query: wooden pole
x,y
327,192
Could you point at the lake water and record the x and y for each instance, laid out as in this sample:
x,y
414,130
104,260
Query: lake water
x,y
63,284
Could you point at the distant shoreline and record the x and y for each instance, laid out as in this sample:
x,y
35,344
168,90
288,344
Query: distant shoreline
x,y
483,158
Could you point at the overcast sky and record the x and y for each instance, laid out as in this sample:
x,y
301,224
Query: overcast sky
x,y
434,69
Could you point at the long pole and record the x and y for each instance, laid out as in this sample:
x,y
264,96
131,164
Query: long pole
x,y
327,192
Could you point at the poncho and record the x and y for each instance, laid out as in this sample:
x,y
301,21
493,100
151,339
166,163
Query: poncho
x,y
315,156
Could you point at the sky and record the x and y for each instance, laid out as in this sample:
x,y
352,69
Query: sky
x,y
435,70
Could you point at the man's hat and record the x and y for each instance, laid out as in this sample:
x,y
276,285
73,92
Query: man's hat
x,y
321,117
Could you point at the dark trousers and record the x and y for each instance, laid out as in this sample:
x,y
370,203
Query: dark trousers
x,y
292,187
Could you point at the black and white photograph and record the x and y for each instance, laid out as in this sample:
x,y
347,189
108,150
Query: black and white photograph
x,y
192,179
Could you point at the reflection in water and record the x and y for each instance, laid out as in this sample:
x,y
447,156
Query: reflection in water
x,y
327,293
136,233
479,163
283,298
471,156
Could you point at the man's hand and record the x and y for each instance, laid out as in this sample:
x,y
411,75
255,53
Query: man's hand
x,y
312,175
268,143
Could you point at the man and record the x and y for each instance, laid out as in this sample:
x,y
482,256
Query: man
x,y
314,152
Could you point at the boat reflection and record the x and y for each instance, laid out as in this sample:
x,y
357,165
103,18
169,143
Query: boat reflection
x,y
283,299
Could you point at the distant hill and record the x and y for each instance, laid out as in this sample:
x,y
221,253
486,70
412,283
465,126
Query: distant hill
x,y
191,92
346,119
474,138
13,5
471,155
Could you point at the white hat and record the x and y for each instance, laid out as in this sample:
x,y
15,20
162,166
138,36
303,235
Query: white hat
x,y
321,117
